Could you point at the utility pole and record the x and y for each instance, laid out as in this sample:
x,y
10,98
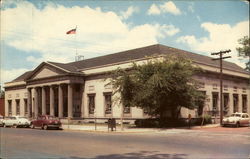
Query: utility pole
x,y
221,79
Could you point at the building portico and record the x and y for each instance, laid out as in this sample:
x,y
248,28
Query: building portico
x,y
55,100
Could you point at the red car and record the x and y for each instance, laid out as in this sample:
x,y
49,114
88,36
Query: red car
x,y
45,122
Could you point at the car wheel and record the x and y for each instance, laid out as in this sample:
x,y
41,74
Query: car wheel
x,y
14,126
237,125
32,126
45,127
4,125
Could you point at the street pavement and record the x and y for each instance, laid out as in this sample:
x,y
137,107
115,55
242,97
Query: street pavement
x,y
204,143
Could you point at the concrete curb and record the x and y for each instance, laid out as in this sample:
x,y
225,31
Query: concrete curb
x,y
104,129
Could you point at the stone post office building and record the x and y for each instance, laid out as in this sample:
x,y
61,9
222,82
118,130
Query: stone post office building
x,y
78,89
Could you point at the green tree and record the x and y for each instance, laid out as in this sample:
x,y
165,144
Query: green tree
x,y
244,50
1,94
159,87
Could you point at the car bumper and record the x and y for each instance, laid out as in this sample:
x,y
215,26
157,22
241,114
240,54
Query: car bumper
x,y
24,124
229,123
54,126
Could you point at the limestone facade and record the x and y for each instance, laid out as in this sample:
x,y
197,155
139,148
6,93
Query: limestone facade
x,y
79,89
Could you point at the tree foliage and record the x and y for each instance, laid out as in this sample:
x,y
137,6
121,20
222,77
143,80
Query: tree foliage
x,y
159,86
244,50
1,93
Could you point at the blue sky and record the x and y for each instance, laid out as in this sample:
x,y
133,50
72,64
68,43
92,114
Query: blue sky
x,y
34,31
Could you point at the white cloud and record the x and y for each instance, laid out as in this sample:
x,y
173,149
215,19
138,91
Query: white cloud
x,y
34,59
43,31
154,10
9,75
221,37
170,30
188,39
170,7
129,12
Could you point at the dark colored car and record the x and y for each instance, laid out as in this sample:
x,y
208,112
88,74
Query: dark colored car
x,y
45,122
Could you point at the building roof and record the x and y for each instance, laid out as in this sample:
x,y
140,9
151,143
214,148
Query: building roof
x,y
68,67
136,54
157,49
22,77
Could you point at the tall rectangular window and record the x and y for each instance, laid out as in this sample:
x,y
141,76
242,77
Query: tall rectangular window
x,y
17,107
9,107
91,103
25,106
235,103
200,105
215,103
108,103
244,103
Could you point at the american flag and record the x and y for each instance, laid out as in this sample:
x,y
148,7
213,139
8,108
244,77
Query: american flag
x,y
72,31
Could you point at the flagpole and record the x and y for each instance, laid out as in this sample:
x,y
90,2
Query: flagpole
x,y
76,45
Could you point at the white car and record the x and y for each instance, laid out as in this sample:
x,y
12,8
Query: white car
x,y
16,121
237,120
1,120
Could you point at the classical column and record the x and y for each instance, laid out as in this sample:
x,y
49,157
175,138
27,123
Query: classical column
x,y
51,102
32,102
43,101
82,100
231,103
36,102
29,102
70,100
60,101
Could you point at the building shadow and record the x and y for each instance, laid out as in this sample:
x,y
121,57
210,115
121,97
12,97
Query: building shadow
x,y
138,155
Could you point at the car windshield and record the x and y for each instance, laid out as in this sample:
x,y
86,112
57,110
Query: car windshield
x,y
236,115
22,118
52,117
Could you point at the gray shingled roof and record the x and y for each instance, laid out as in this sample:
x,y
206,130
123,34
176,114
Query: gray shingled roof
x,y
149,51
68,67
135,54
22,77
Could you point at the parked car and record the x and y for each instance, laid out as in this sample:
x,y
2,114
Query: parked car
x,y
23,121
237,120
10,121
16,121
46,122
1,120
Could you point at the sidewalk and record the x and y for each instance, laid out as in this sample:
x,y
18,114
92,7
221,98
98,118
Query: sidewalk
x,y
91,128
104,128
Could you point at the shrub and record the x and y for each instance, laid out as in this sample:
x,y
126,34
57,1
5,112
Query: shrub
x,y
157,123
206,119
147,123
